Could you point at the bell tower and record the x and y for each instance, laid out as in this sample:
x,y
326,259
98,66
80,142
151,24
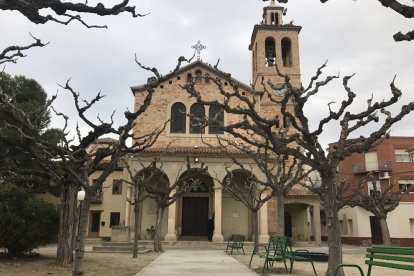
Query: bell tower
x,y
274,43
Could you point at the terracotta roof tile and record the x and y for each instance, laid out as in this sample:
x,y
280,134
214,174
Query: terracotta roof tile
x,y
106,140
299,191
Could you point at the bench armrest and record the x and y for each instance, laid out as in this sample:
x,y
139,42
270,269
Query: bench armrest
x,y
347,265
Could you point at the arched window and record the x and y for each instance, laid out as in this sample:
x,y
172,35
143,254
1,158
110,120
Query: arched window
x,y
178,116
270,51
198,76
189,77
207,78
286,52
197,115
215,116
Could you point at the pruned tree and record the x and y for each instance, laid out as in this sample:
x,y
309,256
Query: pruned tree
x,y
398,6
12,53
62,10
380,201
79,158
154,184
303,142
62,13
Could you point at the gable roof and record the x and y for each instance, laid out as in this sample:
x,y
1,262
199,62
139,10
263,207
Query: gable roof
x,y
197,63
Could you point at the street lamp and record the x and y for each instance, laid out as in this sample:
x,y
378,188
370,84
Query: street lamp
x,y
80,197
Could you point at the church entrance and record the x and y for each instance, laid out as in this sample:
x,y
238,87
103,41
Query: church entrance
x,y
195,216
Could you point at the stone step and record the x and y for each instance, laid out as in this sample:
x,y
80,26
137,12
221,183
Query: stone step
x,y
119,248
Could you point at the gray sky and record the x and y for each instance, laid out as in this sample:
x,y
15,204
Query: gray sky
x,y
355,36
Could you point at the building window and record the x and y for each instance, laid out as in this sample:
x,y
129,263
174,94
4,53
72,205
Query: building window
x,y
189,77
197,115
401,155
178,118
374,188
286,52
406,185
207,79
114,219
270,51
117,187
198,76
216,116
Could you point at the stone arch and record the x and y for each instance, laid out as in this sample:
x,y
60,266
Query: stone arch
x,y
195,207
158,179
237,217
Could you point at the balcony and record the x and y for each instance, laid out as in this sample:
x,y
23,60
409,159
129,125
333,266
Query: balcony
x,y
376,166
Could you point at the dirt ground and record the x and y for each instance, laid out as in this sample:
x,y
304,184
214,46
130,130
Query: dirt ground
x,y
305,269
102,264
122,264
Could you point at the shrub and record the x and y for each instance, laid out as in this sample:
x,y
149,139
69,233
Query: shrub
x,y
25,223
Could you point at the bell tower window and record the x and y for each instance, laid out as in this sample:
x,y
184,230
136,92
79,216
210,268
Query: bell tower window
x,y
286,52
189,77
270,51
274,18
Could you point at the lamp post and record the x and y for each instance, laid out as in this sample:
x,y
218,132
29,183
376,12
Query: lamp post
x,y
80,197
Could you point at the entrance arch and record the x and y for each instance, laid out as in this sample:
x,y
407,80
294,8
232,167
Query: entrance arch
x,y
195,206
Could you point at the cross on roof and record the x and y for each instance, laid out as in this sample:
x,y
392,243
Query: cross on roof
x,y
198,48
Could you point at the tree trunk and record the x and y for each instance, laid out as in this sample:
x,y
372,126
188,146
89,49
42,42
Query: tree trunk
x,y
67,224
280,215
81,236
136,223
332,225
385,231
255,227
158,225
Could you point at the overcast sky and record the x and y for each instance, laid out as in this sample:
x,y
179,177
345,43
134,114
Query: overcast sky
x,y
354,36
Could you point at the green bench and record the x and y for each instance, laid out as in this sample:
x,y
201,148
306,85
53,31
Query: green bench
x,y
392,257
280,249
235,242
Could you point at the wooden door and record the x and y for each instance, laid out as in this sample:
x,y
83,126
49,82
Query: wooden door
x,y
95,221
194,216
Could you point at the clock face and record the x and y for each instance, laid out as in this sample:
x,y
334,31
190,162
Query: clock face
x,y
280,89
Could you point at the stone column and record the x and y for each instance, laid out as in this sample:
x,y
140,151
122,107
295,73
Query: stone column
x,y
171,236
218,232
263,226
317,223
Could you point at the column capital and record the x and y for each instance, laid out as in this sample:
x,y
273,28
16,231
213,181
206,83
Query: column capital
x,y
218,187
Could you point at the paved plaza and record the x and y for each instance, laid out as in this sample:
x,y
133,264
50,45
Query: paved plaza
x,y
195,262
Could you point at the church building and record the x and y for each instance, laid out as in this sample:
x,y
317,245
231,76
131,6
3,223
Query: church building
x,y
272,42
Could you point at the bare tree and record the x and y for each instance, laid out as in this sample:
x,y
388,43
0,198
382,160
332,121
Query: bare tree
x,y
62,15
12,53
154,184
302,142
75,157
62,10
398,6
378,201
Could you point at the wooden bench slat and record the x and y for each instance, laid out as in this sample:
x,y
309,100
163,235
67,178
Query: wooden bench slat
x,y
391,265
392,250
393,257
